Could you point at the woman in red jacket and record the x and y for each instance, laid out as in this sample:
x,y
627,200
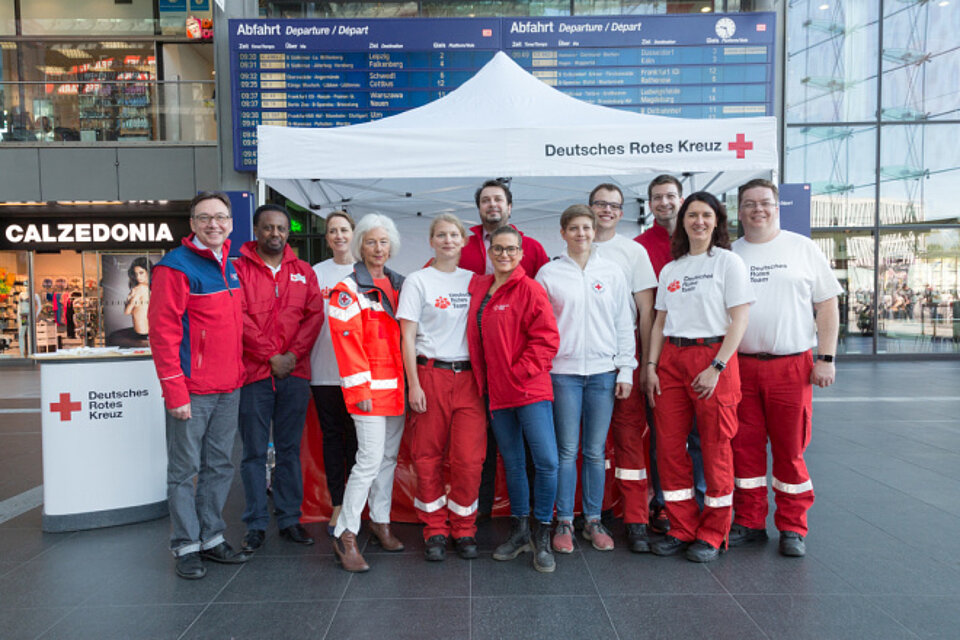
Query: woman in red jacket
x,y
513,338
366,341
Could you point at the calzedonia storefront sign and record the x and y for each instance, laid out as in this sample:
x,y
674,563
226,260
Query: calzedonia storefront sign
x,y
82,233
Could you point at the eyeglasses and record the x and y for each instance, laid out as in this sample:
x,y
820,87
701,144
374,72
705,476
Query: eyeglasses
x,y
750,205
603,204
206,219
499,250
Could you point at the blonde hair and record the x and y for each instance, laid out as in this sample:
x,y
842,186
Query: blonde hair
x,y
450,219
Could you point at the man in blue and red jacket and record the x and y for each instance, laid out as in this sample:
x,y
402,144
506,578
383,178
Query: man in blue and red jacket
x,y
196,336
283,312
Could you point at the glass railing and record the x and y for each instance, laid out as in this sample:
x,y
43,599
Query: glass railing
x,y
114,111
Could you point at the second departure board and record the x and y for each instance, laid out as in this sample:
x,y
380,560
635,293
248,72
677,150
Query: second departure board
x,y
325,73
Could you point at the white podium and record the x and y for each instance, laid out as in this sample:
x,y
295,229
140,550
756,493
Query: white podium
x,y
104,442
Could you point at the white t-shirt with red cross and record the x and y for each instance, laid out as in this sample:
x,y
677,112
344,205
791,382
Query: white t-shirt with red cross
x,y
438,302
696,292
789,274
323,362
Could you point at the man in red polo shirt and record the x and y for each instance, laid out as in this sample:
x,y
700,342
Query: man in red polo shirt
x,y
665,195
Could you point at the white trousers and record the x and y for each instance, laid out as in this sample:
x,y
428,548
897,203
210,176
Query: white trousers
x,y
371,479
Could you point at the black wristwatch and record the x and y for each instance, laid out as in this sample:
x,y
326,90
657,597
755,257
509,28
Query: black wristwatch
x,y
719,365
825,358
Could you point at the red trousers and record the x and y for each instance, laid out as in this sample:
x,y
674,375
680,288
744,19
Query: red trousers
x,y
717,421
453,430
777,405
627,430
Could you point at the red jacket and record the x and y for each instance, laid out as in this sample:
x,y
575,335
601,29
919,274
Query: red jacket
x,y
656,241
366,340
280,313
474,254
512,359
196,323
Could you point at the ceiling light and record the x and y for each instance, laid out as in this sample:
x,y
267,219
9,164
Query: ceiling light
x,y
943,3
8,45
116,45
73,53
51,70
705,9
823,7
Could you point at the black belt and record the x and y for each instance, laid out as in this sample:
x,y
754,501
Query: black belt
x,y
456,367
769,356
694,342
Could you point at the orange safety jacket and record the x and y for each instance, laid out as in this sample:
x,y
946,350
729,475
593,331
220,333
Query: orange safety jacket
x,y
366,341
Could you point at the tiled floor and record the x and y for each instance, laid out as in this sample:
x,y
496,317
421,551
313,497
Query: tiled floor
x,y
881,560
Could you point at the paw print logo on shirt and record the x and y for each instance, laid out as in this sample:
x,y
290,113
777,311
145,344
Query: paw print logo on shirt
x,y
441,302
673,286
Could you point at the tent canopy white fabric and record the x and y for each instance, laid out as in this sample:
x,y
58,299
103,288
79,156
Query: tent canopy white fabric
x,y
504,122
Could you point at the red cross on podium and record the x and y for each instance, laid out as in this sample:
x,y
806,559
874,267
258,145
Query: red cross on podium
x,y
65,407
741,146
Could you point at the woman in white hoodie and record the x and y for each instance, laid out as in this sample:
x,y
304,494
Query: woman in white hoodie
x,y
595,363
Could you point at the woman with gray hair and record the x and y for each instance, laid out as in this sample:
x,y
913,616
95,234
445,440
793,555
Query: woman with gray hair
x,y
366,341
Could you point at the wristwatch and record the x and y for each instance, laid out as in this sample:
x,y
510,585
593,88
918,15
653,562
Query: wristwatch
x,y
719,365
825,358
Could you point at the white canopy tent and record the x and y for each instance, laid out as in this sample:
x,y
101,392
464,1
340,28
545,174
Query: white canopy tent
x,y
504,122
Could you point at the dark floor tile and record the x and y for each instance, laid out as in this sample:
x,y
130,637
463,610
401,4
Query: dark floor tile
x,y
410,575
20,403
28,623
674,616
275,546
286,579
518,577
263,621
762,570
403,619
537,617
58,579
124,623
30,520
927,616
19,545
797,617
622,572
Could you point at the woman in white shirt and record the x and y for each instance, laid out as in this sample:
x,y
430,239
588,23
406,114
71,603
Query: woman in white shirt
x,y
449,420
339,433
702,307
594,365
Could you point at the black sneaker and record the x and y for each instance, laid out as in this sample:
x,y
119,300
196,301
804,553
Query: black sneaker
x,y
542,551
190,566
669,546
741,536
792,544
638,538
517,543
253,540
701,551
466,547
436,550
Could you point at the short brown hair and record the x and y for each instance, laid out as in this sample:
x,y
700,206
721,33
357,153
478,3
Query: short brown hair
x,y
680,242
664,178
577,211
494,183
753,184
209,195
606,186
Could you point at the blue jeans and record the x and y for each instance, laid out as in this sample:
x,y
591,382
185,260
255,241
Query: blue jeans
x,y
533,422
199,448
286,408
589,398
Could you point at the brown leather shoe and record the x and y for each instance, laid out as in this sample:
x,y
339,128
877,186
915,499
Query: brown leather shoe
x,y
348,555
383,536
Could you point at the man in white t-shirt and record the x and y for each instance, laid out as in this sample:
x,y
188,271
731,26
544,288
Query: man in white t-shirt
x,y
628,426
796,309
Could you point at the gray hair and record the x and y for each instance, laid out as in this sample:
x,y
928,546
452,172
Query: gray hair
x,y
367,224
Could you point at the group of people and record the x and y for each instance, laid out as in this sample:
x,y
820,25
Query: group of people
x,y
493,347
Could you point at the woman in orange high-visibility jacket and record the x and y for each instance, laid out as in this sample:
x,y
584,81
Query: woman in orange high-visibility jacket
x,y
366,341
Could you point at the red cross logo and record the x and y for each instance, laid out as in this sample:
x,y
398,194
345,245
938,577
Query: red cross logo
x,y
65,407
673,286
741,146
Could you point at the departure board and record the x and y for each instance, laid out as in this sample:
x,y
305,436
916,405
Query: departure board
x,y
327,73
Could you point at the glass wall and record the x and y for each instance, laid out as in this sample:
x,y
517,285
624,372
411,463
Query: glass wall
x,y
873,129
